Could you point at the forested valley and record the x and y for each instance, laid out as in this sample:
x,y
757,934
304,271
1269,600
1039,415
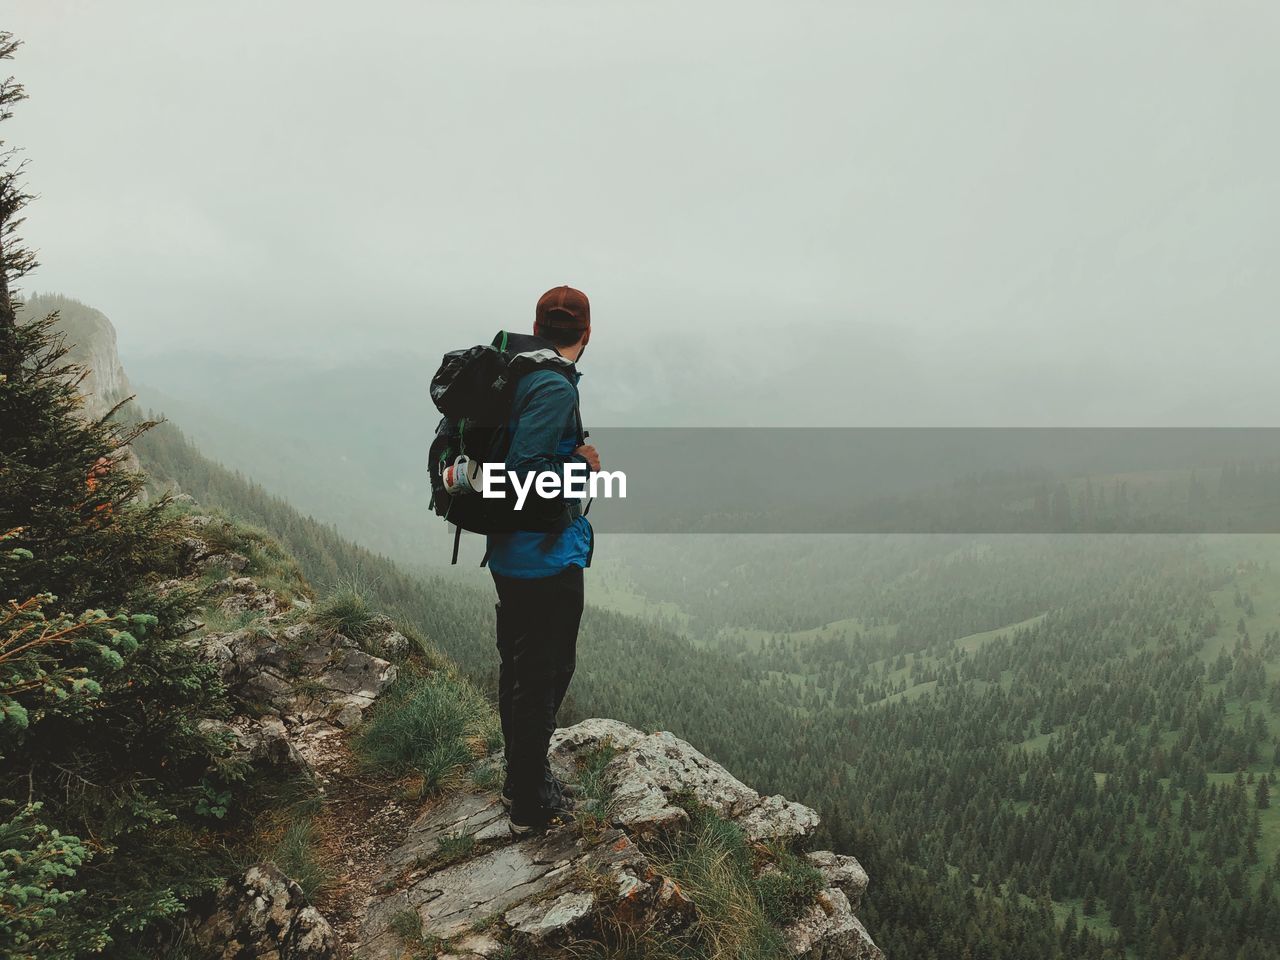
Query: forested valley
x,y
1040,746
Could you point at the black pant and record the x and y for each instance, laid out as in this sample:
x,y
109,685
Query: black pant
x,y
537,641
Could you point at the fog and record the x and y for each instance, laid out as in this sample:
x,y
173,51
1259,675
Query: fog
x,y
995,212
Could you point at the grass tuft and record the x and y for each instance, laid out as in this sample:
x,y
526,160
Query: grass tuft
x,y
742,893
432,726
593,806
407,925
296,854
488,774
454,848
715,866
348,610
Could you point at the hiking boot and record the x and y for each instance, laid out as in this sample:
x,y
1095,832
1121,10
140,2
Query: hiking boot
x,y
565,791
540,818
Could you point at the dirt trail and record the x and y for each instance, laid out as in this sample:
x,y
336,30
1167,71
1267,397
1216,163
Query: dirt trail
x,y
364,816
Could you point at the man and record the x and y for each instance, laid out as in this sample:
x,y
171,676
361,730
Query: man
x,y
538,576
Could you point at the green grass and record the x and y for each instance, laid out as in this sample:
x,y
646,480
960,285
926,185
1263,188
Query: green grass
x,y
716,867
269,564
432,725
789,888
296,854
347,610
1037,744
453,848
611,588
488,775
742,894
407,925
911,693
592,809
975,641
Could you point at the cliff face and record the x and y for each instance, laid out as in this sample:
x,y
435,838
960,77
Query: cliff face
x,y
91,340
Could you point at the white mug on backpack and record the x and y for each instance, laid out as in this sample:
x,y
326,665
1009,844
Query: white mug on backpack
x,y
461,476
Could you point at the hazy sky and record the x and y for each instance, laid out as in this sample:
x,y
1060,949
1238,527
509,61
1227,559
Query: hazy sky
x,y
1007,199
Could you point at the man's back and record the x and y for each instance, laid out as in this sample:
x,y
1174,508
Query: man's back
x,y
545,430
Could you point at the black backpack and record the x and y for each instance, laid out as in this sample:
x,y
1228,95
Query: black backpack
x,y
474,389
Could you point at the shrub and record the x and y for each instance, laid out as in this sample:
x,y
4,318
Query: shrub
x,y
35,860
790,888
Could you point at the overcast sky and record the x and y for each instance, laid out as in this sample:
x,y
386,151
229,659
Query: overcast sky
x,y
930,197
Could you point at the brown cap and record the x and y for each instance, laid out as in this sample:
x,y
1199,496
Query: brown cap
x,y
563,308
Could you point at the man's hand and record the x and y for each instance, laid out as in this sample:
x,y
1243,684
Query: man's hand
x,y
588,453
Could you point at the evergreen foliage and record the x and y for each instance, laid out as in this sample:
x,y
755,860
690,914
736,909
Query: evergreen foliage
x,y
101,752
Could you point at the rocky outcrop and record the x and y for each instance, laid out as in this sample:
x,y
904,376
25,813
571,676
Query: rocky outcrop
x,y
460,879
295,671
651,770
90,339
453,883
263,914
281,665
830,931
843,872
537,887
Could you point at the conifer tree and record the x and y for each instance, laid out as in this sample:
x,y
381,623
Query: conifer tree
x,y
100,702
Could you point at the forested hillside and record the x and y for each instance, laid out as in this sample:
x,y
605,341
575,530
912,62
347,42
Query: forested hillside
x,y
1039,746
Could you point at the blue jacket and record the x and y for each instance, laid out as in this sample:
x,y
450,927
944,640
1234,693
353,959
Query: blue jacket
x,y
544,434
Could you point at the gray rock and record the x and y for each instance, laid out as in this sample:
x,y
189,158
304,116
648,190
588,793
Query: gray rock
x,y
296,633
830,931
192,550
649,772
297,673
261,740
246,597
230,561
393,646
354,673
841,871
263,914
267,741
469,882
539,885
570,744
349,716
549,918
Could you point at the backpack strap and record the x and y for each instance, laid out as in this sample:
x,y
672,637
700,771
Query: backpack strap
x,y
457,538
